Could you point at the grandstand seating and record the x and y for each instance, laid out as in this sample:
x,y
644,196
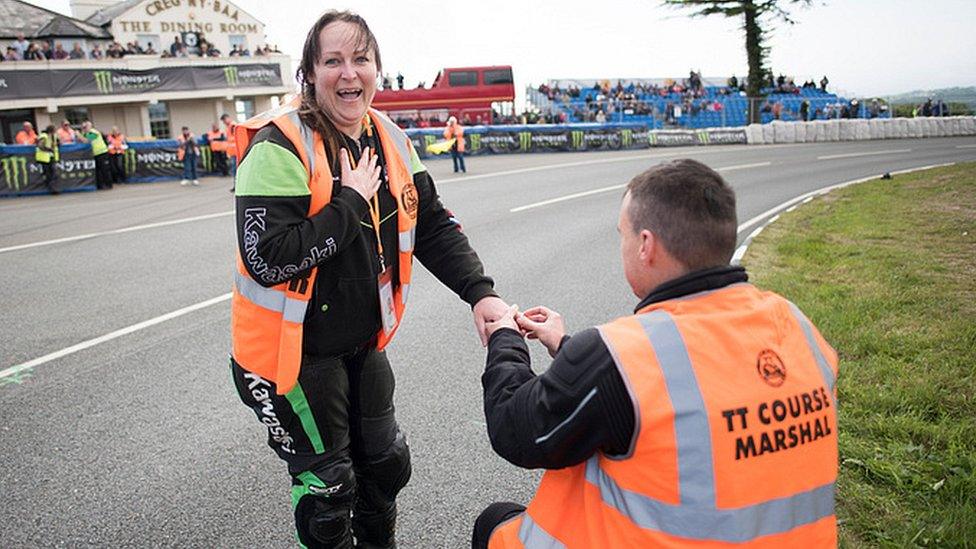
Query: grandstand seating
x,y
733,107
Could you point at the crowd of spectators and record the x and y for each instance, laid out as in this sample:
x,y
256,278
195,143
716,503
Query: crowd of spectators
x,y
45,50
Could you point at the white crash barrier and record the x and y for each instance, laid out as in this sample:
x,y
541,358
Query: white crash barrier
x,y
783,132
859,129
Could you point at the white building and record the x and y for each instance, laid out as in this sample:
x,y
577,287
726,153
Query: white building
x,y
148,95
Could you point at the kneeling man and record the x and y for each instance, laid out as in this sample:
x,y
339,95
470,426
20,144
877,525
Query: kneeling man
x,y
706,418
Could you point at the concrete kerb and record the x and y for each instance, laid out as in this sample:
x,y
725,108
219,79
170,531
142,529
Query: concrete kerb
x,y
771,215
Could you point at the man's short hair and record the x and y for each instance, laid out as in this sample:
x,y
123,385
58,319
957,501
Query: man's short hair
x,y
690,208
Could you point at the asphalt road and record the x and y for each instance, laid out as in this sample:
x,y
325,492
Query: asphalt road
x,y
137,439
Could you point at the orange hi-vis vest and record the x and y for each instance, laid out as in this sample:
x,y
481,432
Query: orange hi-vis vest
x,y
218,141
735,436
230,147
116,143
457,133
267,323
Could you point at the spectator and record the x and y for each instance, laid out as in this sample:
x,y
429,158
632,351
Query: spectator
x,y
733,83
150,50
805,110
234,52
96,52
187,152
26,136
67,134
823,83
176,46
59,52
21,45
12,54
77,52
399,80
601,118
777,110
46,51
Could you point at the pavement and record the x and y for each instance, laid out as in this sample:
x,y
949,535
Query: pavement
x,y
124,429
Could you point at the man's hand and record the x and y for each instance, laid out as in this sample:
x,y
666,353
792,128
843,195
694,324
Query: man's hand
x,y
545,325
507,320
488,309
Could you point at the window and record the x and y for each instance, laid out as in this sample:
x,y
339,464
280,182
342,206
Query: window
x,y
76,115
159,120
244,108
463,78
238,40
503,76
147,41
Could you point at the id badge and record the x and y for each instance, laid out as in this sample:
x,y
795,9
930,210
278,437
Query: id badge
x,y
387,306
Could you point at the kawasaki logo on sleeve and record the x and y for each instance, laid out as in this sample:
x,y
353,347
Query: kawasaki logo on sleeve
x,y
15,173
103,79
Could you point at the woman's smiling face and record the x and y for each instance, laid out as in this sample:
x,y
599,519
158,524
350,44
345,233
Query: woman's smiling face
x,y
345,76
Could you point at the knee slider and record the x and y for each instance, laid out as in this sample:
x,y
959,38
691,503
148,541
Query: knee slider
x,y
323,500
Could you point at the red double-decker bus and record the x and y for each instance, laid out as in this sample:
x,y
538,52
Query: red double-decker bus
x,y
469,93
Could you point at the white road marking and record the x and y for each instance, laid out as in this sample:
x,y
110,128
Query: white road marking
x,y
856,155
966,146
615,187
743,167
567,197
13,370
115,231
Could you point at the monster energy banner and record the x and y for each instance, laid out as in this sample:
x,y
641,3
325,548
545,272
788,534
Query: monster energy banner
x,y
143,162
577,137
21,174
63,83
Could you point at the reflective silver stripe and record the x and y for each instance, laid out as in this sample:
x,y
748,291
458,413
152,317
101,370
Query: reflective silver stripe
x,y
399,138
404,291
694,439
563,423
407,239
307,138
708,523
293,310
533,536
825,370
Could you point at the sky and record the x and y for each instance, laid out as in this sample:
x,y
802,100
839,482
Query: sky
x,y
865,47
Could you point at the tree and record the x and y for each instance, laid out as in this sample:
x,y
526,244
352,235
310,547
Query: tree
x,y
757,16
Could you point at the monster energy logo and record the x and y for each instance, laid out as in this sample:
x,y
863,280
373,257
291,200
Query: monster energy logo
x,y
578,142
703,137
429,140
230,74
525,140
206,158
15,172
103,79
652,138
626,138
130,160
475,141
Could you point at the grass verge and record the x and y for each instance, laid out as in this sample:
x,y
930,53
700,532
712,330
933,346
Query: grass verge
x,y
887,271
